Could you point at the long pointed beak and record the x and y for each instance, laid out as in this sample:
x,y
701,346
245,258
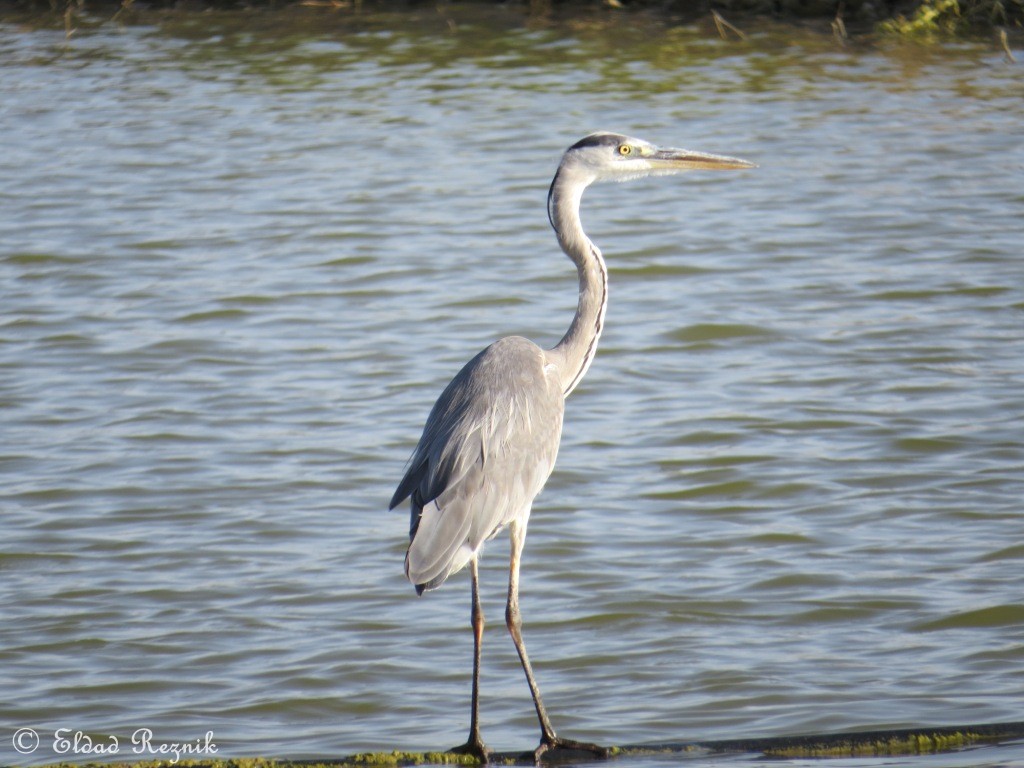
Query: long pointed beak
x,y
686,160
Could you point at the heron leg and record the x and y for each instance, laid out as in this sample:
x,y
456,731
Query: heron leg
x,y
475,744
513,619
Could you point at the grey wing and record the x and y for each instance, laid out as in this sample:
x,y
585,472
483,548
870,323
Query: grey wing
x,y
487,449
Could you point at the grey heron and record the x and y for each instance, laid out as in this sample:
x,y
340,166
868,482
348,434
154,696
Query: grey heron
x,y
491,439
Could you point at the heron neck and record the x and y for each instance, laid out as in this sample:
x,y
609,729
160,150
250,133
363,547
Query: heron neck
x,y
574,353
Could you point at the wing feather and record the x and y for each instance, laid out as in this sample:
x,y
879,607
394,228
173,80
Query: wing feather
x,y
487,449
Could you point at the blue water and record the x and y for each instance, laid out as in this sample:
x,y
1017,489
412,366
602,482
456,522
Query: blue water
x,y
243,253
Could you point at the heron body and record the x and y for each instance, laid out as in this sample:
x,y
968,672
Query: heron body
x,y
488,448
491,439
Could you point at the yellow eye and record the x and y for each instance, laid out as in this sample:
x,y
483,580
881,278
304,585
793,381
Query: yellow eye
x,y
625,149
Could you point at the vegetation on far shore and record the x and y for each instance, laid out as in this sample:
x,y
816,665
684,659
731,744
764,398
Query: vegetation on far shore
x,y
918,19
951,17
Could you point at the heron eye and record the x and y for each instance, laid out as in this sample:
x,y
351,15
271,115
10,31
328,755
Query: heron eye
x,y
625,149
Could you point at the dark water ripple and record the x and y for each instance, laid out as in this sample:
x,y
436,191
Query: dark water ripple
x,y
241,257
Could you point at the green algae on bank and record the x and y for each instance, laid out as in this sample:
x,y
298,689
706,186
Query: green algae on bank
x,y
913,744
410,758
911,741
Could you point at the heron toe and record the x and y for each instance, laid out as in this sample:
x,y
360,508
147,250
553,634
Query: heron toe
x,y
476,748
558,744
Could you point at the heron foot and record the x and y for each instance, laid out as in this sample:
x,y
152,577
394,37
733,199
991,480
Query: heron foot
x,y
475,747
549,744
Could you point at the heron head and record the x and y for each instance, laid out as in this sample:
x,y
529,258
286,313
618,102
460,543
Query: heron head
x,y
612,156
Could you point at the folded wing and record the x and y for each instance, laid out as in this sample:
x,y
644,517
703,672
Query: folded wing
x,y
486,451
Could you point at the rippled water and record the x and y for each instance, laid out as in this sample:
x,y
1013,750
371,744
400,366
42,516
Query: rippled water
x,y
242,254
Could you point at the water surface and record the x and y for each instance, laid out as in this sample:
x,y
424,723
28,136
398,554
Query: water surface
x,y
243,253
